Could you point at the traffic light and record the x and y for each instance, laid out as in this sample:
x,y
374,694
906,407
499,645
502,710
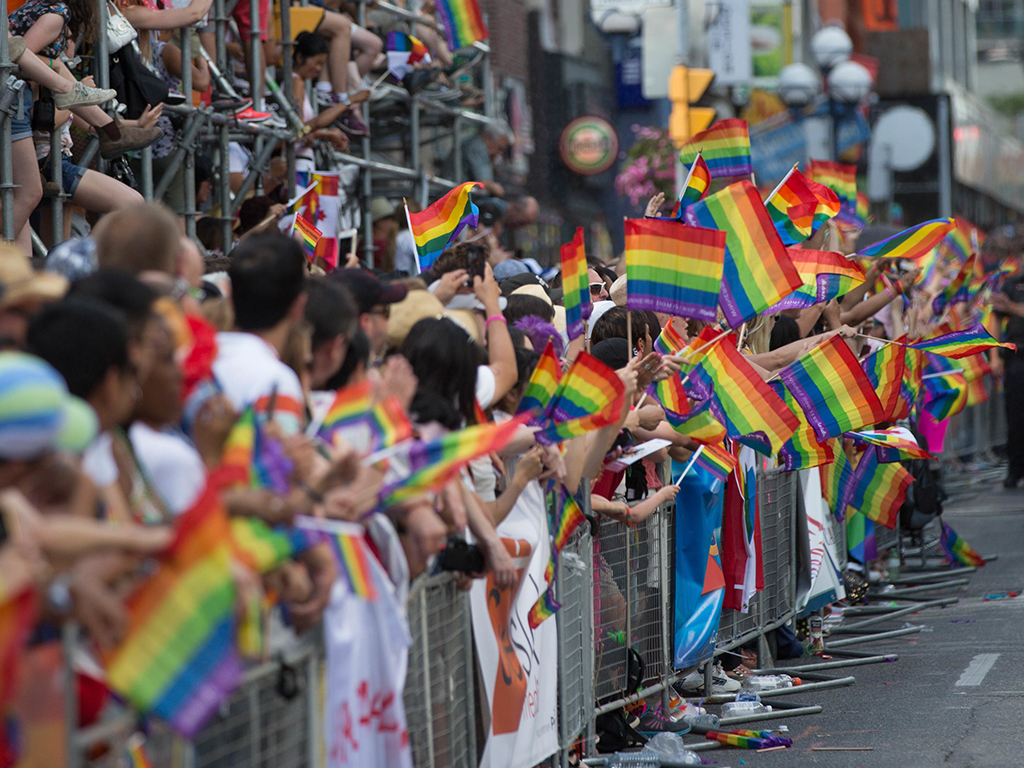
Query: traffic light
x,y
685,87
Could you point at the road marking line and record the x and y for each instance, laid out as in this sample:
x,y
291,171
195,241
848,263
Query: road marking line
x,y
977,669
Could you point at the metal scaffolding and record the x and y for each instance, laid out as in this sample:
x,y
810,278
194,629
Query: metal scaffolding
x,y
394,166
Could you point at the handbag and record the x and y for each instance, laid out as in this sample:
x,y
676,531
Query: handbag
x,y
120,32
135,84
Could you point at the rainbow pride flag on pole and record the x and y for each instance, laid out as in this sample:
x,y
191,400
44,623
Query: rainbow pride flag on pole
x,y
701,426
757,272
566,517
833,390
309,236
725,148
798,207
575,285
695,187
884,369
368,426
956,291
837,481
913,243
961,344
825,274
463,22
879,489
892,444
179,659
673,268
839,177
403,52
434,464
672,397
957,550
542,385
802,450
669,342
435,228
740,399
589,396
717,460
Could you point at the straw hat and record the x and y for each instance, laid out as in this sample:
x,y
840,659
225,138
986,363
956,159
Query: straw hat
x,y
407,312
23,284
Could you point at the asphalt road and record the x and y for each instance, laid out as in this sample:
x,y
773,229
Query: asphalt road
x,y
913,713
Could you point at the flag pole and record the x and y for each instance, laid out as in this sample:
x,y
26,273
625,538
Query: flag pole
x,y
689,175
629,332
415,248
689,464
784,180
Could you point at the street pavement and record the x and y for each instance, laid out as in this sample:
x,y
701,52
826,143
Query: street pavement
x,y
955,697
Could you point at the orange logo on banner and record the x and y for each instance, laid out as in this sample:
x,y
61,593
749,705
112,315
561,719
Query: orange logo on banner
x,y
714,578
510,683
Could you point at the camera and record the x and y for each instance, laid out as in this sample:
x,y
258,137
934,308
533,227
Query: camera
x,y
460,556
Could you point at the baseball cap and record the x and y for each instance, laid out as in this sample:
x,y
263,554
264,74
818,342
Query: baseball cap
x,y
37,413
503,270
368,290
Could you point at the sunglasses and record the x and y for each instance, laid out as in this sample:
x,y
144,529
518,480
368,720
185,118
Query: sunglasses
x,y
596,288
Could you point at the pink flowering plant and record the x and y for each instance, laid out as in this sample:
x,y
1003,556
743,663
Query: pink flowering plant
x,y
648,166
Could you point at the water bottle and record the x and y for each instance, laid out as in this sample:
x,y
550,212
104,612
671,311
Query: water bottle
x,y
894,565
630,759
758,683
743,709
703,721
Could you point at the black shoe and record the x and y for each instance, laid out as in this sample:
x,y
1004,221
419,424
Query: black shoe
x,y
418,79
1011,481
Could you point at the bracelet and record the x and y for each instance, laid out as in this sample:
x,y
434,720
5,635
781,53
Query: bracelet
x,y
888,292
496,318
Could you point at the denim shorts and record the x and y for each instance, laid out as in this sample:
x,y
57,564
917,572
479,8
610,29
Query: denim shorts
x,y
71,174
21,127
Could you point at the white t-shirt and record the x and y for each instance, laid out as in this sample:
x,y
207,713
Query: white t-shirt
x,y
485,386
98,461
249,371
405,252
173,466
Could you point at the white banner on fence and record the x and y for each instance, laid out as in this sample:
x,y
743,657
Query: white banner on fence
x,y
367,658
518,665
826,578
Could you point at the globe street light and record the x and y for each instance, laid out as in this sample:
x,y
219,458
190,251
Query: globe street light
x,y
798,85
830,47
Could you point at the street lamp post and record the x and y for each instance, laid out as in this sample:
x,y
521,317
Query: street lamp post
x,y
846,82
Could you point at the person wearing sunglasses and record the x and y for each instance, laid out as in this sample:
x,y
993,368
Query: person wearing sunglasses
x,y
598,288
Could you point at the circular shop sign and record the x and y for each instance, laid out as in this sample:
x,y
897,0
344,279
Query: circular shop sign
x,y
588,145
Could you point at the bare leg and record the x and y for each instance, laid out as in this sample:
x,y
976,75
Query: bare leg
x,y
33,68
29,192
98,193
368,47
338,31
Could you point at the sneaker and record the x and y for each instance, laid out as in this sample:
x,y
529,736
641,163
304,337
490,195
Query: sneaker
x,y
1011,480
351,124
83,96
132,138
720,682
225,103
275,121
324,99
250,115
175,98
654,720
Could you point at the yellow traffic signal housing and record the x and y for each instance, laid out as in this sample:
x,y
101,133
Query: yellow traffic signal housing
x,y
685,87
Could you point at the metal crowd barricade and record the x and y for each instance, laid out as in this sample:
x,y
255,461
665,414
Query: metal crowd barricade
x,y
575,591
440,699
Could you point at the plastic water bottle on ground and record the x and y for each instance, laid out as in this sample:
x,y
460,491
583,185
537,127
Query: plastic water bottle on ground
x,y
894,565
759,683
670,750
630,759
702,721
745,704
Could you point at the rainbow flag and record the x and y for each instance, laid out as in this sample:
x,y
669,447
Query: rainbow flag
x,y
834,392
802,450
463,22
701,426
910,387
961,344
884,369
542,385
575,285
695,187
893,444
566,517
837,481
403,52
352,554
356,419
863,207
589,396
734,740
860,537
798,207
825,274
670,394
839,177
945,394
717,460
740,399
135,752
725,148
879,489
957,550
757,272
673,268
179,659
434,464
959,243
913,243
669,342
17,620
309,236
252,459
439,224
